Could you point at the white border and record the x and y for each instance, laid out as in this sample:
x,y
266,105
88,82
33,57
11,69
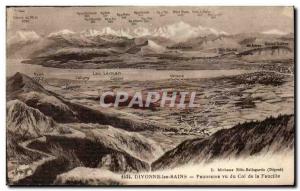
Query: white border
x,y
155,2
5,3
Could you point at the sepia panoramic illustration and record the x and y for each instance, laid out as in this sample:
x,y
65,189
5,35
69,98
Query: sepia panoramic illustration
x,y
129,95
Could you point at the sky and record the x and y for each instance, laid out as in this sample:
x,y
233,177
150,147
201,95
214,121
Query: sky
x,y
232,20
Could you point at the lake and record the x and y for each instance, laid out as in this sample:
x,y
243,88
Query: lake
x,y
14,66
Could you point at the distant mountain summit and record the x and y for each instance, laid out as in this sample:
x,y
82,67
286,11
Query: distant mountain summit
x,y
19,44
182,31
23,36
60,33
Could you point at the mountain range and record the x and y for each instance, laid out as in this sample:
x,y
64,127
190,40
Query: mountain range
x,y
177,32
116,48
181,34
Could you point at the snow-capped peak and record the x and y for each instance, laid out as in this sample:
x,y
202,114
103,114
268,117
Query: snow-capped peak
x,y
90,32
182,31
120,32
274,32
24,36
61,33
141,31
106,31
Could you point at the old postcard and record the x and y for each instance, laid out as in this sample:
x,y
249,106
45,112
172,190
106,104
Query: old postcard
x,y
129,95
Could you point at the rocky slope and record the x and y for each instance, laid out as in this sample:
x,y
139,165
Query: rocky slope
x,y
27,90
132,143
32,112
75,151
27,122
270,135
21,83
